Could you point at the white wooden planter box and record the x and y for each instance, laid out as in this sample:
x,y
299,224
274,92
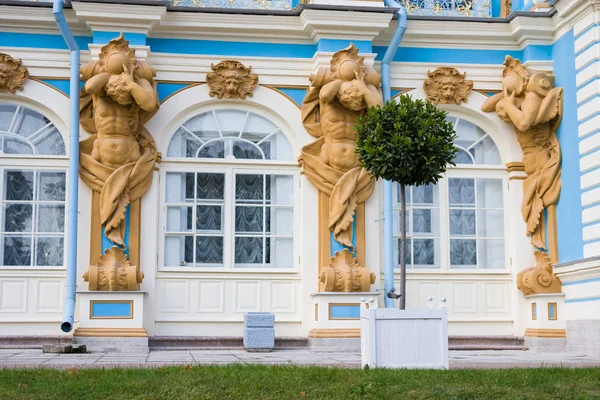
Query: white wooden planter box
x,y
393,338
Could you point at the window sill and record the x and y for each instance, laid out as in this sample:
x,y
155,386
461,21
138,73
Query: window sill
x,y
30,268
201,270
455,272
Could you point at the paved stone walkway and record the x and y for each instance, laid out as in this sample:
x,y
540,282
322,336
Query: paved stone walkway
x,y
15,358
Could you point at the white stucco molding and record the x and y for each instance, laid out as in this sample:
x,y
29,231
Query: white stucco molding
x,y
37,20
344,25
517,34
501,133
576,14
46,100
119,17
310,26
194,100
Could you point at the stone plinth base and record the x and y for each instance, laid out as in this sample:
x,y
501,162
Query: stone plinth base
x,y
112,322
339,311
583,336
545,327
545,344
334,345
113,344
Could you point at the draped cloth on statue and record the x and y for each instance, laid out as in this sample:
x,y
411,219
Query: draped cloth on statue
x,y
345,189
541,189
121,186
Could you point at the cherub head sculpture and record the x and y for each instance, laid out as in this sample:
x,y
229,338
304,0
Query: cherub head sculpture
x,y
12,74
447,86
231,79
351,97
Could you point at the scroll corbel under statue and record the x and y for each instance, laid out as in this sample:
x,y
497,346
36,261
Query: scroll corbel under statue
x,y
117,162
338,96
530,102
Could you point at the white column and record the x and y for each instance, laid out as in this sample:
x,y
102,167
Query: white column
x,y
586,29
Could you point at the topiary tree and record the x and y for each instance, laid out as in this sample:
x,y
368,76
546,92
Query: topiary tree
x,y
409,142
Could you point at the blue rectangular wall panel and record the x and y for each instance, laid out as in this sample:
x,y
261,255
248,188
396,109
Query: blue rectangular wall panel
x,y
344,312
111,309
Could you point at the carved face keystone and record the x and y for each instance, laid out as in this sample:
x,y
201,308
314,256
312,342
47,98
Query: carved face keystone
x,y
231,84
448,90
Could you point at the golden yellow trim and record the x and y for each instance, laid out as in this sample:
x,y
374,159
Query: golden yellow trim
x,y
329,317
316,311
54,78
305,87
130,302
555,311
515,166
49,85
324,235
189,86
360,234
96,230
110,332
546,333
539,7
483,91
335,333
283,94
534,311
517,178
179,82
552,234
401,91
135,214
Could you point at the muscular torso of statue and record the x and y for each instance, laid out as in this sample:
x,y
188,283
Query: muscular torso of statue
x,y
340,138
116,144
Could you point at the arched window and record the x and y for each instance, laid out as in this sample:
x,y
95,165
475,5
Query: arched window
x,y
232,204
32,220
458,223
230,134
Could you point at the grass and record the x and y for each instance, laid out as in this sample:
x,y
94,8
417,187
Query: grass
x,y
250,382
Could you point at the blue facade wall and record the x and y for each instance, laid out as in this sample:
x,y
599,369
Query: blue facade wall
x,y
569,209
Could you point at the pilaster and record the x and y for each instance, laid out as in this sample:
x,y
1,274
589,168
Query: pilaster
x,y
585,19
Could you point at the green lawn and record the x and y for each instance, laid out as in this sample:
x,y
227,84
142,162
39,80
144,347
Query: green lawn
x,y
266,382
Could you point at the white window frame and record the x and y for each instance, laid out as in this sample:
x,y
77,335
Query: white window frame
x,y
38,163
32,157
229,170
471,171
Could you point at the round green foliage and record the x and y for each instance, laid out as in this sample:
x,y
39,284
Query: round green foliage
x,y
406,141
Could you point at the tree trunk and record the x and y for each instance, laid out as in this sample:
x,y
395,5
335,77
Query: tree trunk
x,y
403,247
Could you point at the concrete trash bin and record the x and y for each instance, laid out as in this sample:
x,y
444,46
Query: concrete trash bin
x,y
259,331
